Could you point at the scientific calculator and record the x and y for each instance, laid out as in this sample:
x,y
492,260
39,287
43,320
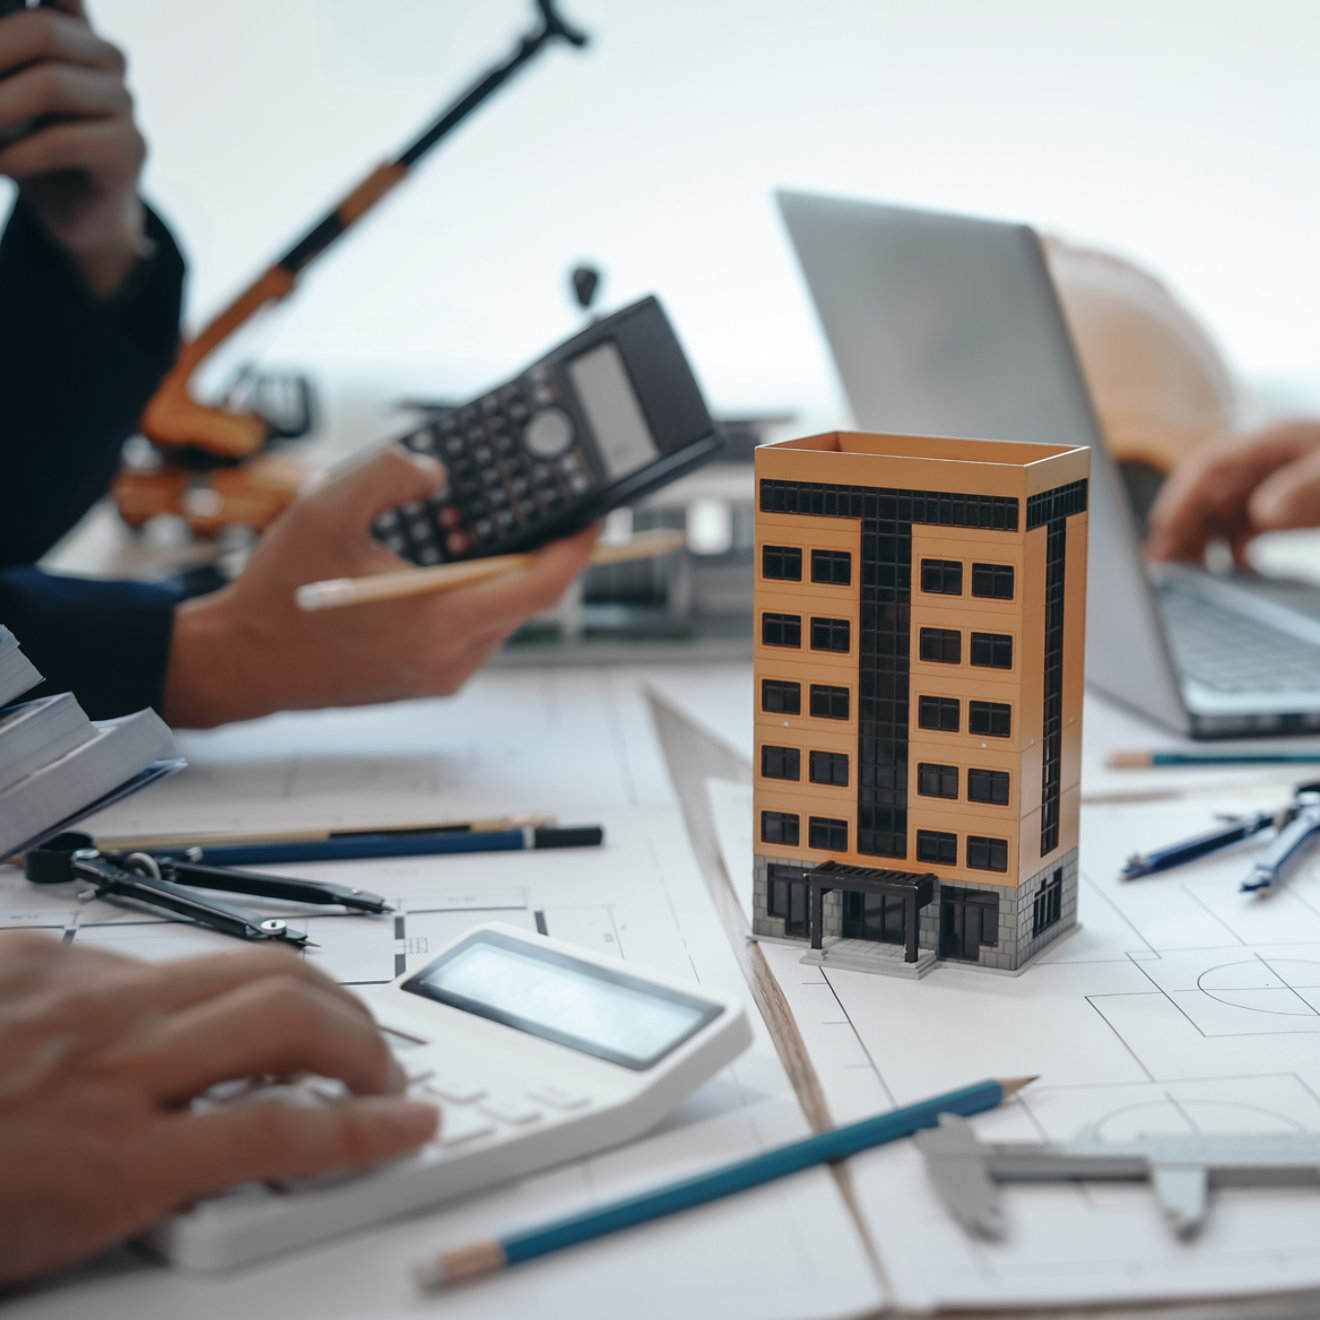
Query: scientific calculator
x,y
612,415
535,1053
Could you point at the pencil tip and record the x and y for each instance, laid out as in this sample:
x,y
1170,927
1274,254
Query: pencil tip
x,y
1012,1085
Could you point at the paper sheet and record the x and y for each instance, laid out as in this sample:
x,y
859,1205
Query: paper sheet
x,y
788,1250
1181,1005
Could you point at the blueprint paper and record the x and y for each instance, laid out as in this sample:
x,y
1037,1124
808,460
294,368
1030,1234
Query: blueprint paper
x,y
788,1250
1181,1005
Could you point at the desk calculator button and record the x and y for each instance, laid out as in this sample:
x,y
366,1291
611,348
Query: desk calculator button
x,y
484,455
397,543
579,482
454,445
549,433
520,485
458,1125
429,555
557,1097
461,1090
484,528
450,517
518,411
457,542
511,1109
504,519
543,394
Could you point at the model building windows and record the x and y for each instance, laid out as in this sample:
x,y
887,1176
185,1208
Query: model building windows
x,y
988,786
941,646
937,780
992,719
992,650
826,834
781,698
986,854
1047,907
781,629
940,713
831,635
832,566
829,768
942,577
829,702
992,581
781,762
938,847
781,562
779,827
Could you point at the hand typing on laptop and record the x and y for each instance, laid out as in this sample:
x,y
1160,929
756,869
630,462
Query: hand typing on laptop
x,y
100,1056
1236,487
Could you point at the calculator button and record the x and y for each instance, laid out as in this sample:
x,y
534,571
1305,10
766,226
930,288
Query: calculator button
x,y
557,1097
579,482
484,455
450,517
484,528
458,1125
461,1090
457,542
511,1109
504,519
549,433
397,543
429,555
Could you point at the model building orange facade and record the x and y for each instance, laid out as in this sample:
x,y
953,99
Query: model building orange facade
x,y
920,614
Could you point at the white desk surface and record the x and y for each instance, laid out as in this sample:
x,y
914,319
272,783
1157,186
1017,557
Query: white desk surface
x,y
577,743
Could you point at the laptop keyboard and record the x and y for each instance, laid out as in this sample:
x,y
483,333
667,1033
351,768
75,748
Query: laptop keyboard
x,y
1231,653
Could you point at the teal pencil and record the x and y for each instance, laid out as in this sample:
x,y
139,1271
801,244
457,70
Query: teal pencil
x,y
1140,760
492,1254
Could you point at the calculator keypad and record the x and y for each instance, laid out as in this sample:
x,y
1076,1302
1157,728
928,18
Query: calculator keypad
x,y
512,460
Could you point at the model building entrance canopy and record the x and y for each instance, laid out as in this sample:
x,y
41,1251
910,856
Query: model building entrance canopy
x,y
920,614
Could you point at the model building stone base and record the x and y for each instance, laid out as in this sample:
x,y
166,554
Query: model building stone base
x,y
920,609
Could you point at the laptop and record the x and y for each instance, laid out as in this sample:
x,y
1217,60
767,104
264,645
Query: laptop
x,y
949,325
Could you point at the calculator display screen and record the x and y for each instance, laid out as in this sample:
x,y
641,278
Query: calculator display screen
x,y
609,1014
623,438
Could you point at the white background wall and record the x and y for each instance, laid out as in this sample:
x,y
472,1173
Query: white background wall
x,y
1183,132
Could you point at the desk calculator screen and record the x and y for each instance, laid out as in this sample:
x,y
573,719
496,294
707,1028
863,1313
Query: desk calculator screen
x,y
599,1011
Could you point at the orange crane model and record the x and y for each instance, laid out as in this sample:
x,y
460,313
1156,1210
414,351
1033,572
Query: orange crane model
x,y
210,465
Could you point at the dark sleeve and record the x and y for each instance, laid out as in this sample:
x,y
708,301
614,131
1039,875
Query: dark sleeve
x,y
77,371
106,642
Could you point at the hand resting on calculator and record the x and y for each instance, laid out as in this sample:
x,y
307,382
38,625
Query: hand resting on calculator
x,y
101,1055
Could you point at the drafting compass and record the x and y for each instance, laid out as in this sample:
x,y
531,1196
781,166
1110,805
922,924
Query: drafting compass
x,y
171,882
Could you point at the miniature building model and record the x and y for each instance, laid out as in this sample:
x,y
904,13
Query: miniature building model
x,y
920,613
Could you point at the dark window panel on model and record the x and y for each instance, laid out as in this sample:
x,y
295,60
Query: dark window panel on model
x,y
832,566
828,702
994,719
938,847
937,780
781,762
829,835
787,898
988,786
829,768
992,650
779,827
1047,907
780,697
942,577
939,713
781,562
992,581
781,629
831,635
987,854
942,646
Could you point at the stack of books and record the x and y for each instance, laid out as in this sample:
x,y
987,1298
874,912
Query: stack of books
x,y
57,766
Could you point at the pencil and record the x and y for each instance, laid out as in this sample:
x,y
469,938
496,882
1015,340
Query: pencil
x,y
1141,760
334,592
201,839
493,1254
375,847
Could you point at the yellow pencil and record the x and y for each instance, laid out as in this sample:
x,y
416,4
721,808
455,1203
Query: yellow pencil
x,y
335,592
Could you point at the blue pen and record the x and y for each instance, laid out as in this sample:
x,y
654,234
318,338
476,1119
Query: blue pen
x,y
358,847
485,1257
1176,854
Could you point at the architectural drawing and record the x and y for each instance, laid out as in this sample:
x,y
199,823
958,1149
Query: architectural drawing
x,y
920,609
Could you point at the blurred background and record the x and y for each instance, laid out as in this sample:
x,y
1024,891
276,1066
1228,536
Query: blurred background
x,y
1182,134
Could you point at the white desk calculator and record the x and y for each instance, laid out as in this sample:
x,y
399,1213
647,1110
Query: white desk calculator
x,y
534,1051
